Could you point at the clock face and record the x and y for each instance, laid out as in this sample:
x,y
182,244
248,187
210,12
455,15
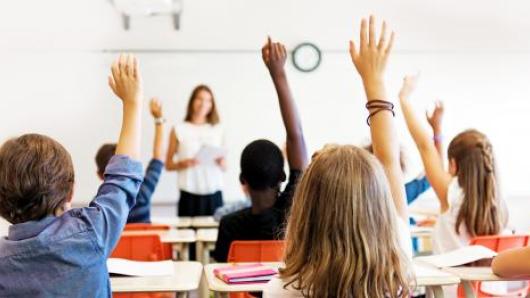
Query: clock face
x,y
306,57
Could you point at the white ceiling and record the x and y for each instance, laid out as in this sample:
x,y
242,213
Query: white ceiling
x,y
422,25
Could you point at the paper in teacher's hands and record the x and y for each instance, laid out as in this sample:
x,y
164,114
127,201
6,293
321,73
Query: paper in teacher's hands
x,y
208,154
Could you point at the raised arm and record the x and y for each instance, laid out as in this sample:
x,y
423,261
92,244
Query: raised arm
x,y
274,56
370,61
433,163
512,263
158,143
126,83
123,175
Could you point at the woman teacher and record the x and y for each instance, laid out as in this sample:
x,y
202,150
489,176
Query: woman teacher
x,y
200,182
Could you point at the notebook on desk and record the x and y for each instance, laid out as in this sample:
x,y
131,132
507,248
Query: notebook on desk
x,y
248,273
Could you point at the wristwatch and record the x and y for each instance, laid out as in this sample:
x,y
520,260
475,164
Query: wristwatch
x,y
160,120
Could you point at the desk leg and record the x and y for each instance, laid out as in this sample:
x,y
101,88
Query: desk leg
x,y
221,295
182,294
177,247
184,253
199,251
437,291
468,289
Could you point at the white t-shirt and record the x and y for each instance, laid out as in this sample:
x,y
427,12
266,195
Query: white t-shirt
x,y
444,237
200,179
275,287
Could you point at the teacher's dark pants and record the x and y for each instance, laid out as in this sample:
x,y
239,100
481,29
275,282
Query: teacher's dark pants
x,y
199,205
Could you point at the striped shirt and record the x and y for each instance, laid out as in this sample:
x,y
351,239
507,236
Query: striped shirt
x,y
141,211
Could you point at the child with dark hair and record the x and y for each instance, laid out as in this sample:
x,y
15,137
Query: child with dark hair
x,y
141,212
262,171
52,250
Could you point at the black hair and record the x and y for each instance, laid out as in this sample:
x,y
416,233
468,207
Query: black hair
x,y
262,165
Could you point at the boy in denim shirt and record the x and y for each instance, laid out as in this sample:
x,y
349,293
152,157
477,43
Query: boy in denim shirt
x,y
52,250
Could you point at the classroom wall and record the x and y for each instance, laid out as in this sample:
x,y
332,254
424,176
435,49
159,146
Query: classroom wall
x,y
55,56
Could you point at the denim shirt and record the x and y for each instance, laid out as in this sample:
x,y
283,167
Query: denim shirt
x,y
141,212
65,256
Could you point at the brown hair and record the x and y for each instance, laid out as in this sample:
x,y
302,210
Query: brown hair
x,y
36,178
481,210
105,153
213,116
341,238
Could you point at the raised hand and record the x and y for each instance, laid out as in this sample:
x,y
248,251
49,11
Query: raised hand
x,y
126,82
409,85
371,58
435,119
125,79
274,56
156,108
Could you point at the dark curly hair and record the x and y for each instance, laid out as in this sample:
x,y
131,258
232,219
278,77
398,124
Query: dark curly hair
x,y
36,178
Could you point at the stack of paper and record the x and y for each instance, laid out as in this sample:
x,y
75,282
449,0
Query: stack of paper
x,y
137,268
249,273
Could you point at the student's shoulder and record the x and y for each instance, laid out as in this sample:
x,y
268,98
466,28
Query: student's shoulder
x,y
236,218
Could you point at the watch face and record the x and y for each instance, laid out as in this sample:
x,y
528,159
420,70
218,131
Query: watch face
x,y
306,57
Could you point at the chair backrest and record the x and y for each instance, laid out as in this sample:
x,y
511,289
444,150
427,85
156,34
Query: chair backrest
x,y
499,243
145,227
256,251
141,248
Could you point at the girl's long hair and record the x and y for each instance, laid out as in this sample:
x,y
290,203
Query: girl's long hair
x,y
341,237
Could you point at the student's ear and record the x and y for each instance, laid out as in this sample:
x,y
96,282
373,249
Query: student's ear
x,y
453,168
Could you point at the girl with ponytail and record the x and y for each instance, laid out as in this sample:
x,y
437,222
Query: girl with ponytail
x,y
470,204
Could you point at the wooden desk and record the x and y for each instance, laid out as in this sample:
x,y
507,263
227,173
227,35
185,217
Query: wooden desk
x,y
179,240
200,222
425,276
172,221
471,274
433,278
187,277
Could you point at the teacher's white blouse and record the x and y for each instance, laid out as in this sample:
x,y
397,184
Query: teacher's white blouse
x,y
200,179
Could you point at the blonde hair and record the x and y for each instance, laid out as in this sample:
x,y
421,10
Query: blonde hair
x,y
341,238
481,211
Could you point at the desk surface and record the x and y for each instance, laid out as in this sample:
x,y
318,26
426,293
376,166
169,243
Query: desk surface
x,y
425,276
207,235
204,222
171,236
187,278
478,274
172,221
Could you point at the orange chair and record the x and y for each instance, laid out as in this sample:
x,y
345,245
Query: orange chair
x,y
145,227
498,243
151,227
255,251
141,248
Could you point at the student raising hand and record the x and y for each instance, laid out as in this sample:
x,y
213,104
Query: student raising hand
x,y
274,56
370,60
